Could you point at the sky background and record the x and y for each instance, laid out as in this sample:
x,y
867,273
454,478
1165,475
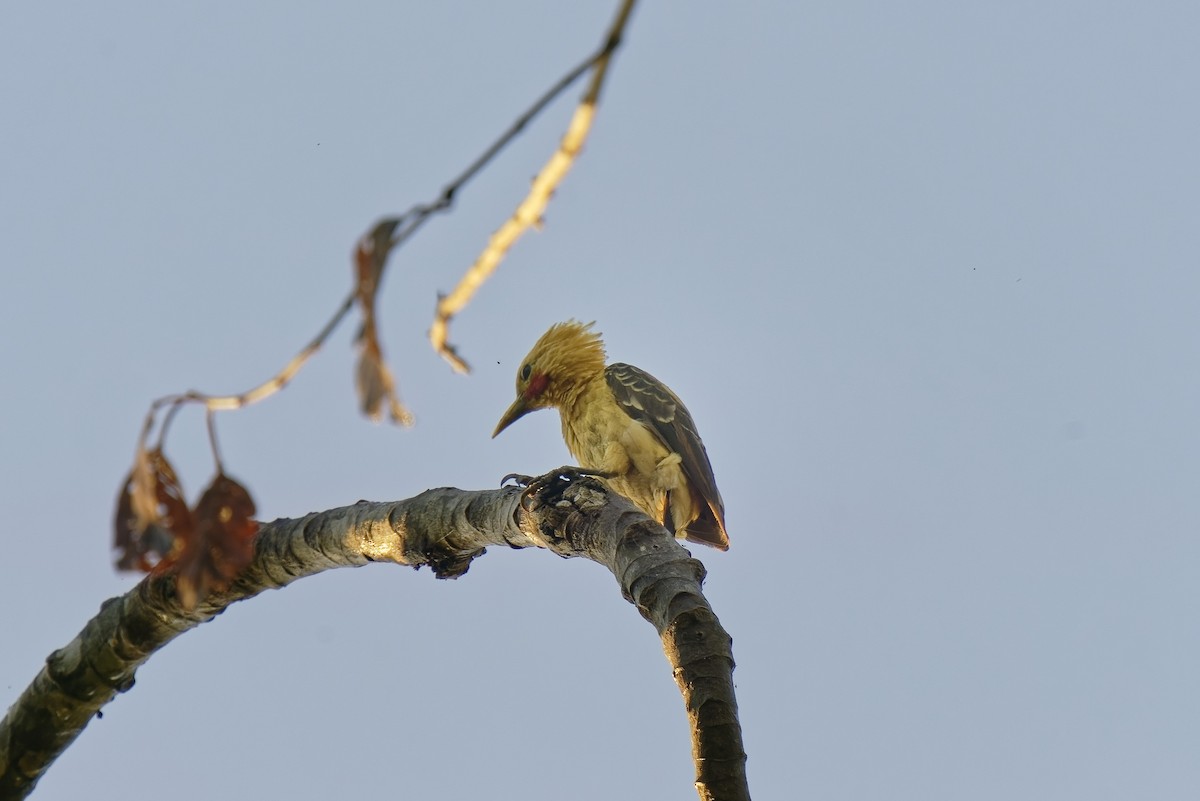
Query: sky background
x,y
925,274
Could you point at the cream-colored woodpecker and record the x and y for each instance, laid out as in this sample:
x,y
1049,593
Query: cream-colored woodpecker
x,y
623,422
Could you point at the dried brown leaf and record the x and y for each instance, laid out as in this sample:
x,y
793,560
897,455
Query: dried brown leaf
x,y
372,378
375,384
369,381
370,257
152,519
223,543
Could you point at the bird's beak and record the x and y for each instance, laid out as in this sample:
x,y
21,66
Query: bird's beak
x,y
514,413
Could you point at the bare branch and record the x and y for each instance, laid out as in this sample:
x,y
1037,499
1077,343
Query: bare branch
x,y
529,211
444,529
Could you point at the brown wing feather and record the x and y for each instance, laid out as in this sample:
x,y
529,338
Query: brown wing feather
x,y
649,401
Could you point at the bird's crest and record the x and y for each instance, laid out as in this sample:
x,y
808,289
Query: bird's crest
x,y
571,353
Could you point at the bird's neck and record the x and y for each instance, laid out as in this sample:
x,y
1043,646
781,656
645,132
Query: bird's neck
x,y
582,392
586,422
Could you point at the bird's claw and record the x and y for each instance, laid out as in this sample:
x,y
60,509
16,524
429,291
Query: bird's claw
x,y
536,486
520,479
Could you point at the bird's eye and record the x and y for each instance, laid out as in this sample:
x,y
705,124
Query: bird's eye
x,y
526,371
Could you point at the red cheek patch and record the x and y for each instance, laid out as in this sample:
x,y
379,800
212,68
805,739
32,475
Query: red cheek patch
x,y
537,385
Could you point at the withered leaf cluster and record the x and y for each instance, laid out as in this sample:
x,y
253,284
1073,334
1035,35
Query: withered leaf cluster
x,y
155,531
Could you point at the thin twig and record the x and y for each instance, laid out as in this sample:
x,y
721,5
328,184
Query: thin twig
x,y
407,225
530,210
281,379
168,418
269,387
212,440
420,213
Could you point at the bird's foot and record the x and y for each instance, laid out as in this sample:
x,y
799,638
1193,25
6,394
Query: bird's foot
x,y
549,487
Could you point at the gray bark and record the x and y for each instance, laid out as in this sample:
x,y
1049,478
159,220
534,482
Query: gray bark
x,y
444,529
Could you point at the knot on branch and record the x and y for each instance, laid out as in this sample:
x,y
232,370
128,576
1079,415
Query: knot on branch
x,y
555,501
447,564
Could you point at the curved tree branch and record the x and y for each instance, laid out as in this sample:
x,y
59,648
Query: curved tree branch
x,y
444,529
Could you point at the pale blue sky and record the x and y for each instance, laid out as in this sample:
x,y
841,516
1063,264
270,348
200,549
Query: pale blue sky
x,y
925,274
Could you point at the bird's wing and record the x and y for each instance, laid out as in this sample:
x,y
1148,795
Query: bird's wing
x,y
650,402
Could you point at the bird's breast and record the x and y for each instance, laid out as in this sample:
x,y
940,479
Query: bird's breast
x,y
600,434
